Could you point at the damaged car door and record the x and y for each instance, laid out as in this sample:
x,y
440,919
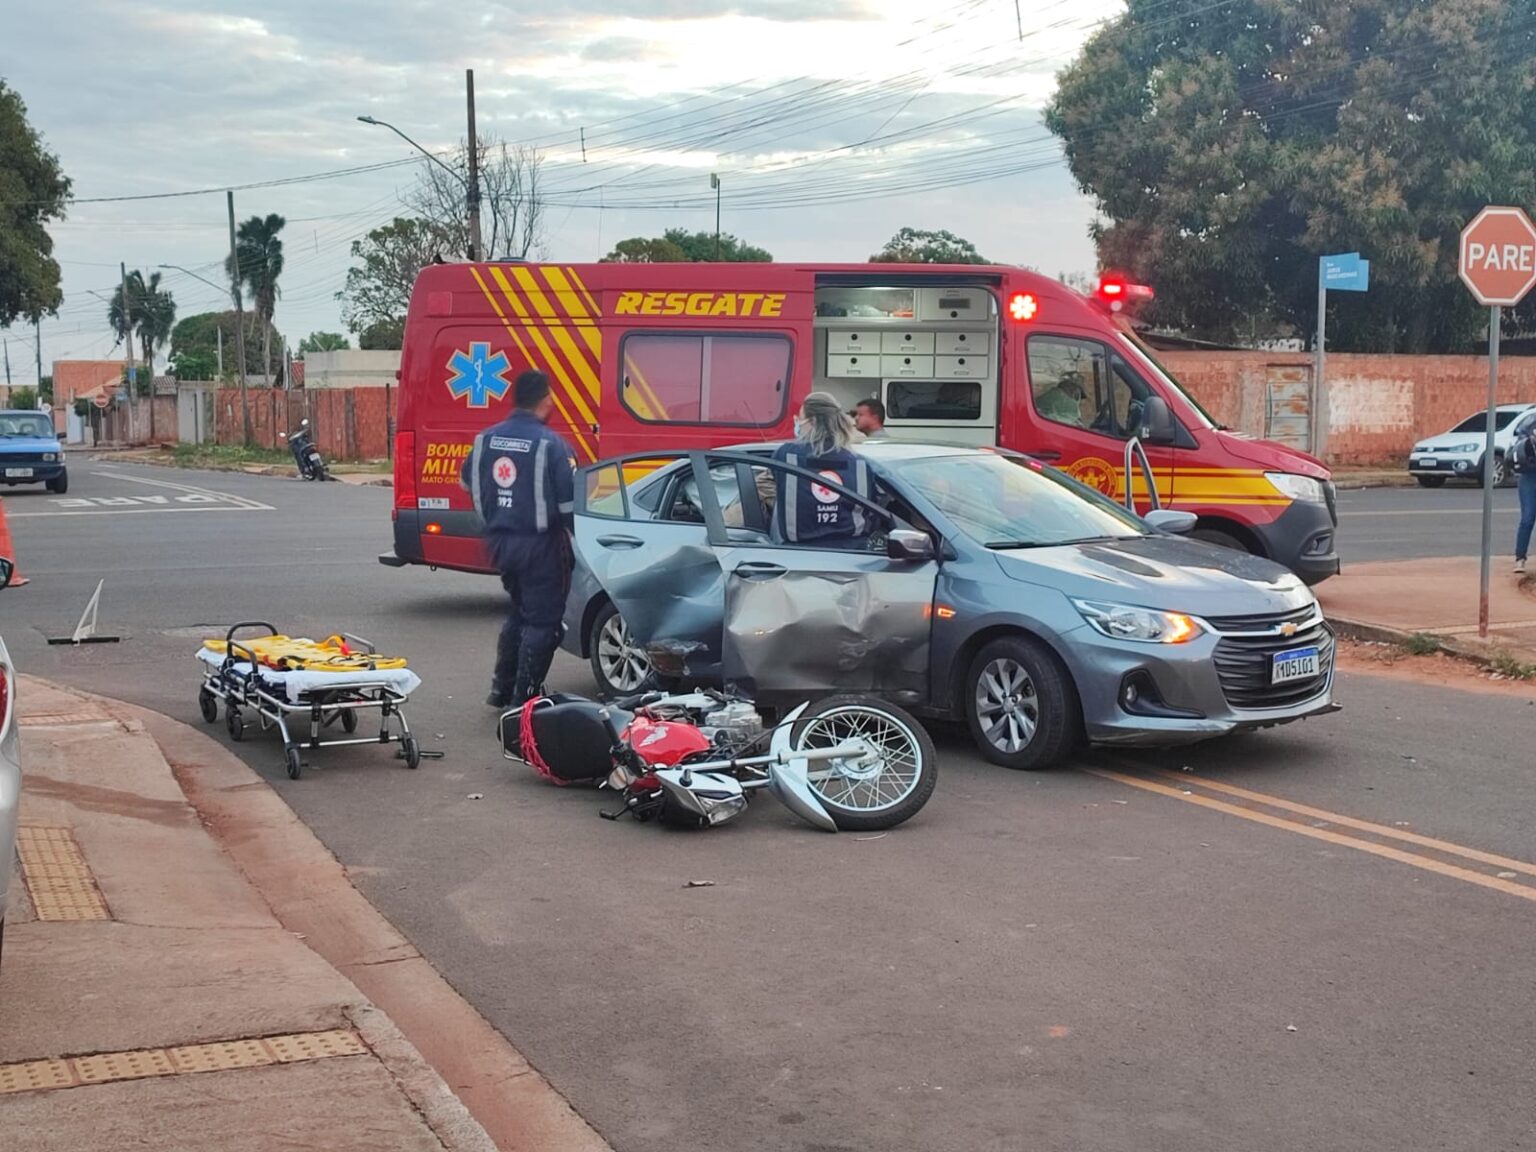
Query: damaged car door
x,y
803,619
661,574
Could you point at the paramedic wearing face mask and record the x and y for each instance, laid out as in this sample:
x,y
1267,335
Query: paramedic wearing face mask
x,y
521,475
809,513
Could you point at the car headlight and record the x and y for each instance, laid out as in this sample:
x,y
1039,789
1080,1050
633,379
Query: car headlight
x,y
1297,487
1126,622
49,457
1417,448
1467,448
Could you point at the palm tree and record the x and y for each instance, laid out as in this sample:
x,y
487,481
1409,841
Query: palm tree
x,y
157,316
260,256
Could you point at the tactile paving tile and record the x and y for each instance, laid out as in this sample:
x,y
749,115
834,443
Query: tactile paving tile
x,y
53,719
221,1056
58,878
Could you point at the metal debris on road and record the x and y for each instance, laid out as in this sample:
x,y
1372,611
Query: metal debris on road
x,y
477,795
699,884
861,839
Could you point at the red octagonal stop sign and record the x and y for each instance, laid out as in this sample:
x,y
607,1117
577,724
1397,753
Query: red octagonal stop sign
x,y
1498,256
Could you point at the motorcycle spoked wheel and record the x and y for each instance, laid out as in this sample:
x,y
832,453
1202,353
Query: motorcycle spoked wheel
x,y
876,796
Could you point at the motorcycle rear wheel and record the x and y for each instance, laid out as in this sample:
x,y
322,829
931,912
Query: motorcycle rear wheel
x,y
876,797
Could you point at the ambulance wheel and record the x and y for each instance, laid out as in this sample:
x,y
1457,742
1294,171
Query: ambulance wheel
x,y
412,752
295,763
208,705
235,723
348,721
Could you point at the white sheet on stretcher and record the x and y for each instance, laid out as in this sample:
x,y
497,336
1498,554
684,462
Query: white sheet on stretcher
x,y
296,684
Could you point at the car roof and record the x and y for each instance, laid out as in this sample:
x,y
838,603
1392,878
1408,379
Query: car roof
x,y
880,449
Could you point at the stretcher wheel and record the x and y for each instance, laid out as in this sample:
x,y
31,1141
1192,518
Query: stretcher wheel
x,y
208,705
412,752
295,763
235,723
349,721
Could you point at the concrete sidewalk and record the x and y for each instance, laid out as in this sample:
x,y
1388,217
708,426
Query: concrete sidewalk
x,y
151,996
1391,600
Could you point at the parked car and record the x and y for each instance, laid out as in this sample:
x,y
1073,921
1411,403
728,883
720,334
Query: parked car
x,y
988,588
30,451
1459,452
10,765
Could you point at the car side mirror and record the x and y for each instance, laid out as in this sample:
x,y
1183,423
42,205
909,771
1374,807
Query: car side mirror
x,y
7,570
1171,521
1156,421
303,423
909,544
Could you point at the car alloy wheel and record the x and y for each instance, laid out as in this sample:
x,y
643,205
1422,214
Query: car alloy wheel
x,y
623,664
1007,705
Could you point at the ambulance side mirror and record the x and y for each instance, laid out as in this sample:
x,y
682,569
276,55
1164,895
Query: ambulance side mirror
x,y
1156,421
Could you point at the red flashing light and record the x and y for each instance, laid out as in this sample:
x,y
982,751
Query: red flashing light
x,y
1112,288
1023,306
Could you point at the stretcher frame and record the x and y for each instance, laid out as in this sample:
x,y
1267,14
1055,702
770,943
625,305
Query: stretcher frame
x,y
246,689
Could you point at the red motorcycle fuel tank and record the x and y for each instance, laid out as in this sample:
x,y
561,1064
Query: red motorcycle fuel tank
x,y
664,743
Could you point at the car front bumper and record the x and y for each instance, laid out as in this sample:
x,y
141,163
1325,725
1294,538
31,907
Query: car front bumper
x,y
1182,696
38,473
1462,464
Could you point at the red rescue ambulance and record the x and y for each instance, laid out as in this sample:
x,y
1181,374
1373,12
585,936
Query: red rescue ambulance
x,y
667,356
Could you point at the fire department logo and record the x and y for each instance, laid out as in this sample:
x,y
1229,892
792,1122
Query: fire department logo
x,y
1095,473
477,376
823,494
504,472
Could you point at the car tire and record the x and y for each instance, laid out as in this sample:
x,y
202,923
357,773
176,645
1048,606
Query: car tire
x,y
1021,704
59,484
619,668
1503,474
1431,481
1219,538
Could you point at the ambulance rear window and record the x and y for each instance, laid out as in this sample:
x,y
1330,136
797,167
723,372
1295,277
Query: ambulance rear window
x,y
684,378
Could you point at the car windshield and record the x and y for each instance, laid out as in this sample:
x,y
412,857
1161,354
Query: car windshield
x,y
1004,502
26,424
1479,423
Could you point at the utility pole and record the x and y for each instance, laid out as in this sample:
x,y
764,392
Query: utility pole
x,y
219,331
7,344
476,253
234,291
714,182
37,331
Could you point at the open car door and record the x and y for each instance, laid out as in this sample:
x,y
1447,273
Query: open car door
x,y
661,574
808,619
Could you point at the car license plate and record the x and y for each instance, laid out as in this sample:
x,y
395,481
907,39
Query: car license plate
x,y
1426,462
1295,664
18,472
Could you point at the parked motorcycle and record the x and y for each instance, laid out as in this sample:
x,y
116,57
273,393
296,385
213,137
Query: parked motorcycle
x,y
306,455
849,763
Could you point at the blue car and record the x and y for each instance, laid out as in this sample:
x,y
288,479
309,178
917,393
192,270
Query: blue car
x,y
30,451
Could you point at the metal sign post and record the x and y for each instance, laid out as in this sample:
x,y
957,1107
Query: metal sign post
x,y
1498,263
1345,272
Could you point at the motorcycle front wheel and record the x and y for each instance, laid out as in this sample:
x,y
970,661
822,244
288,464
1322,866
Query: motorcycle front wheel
x,y
882,789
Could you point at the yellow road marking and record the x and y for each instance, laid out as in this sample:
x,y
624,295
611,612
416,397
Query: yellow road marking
x,y
1504,862
1508,887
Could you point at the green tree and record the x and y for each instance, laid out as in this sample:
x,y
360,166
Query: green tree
x,y
25,398
323,342
679,246
916,246
148,315
195,345
45,389
260,254
386,262
33,191
1230,147
383,335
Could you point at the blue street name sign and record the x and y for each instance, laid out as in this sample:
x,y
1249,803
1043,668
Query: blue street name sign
x,y
1345,272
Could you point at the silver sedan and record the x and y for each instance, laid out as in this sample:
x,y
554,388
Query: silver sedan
x,y
984,587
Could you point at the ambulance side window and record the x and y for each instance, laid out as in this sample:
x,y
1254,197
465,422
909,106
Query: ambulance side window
x,y
733,380
1082,384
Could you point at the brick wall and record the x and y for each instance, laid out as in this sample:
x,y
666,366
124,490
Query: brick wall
x,y
347,424
1378,405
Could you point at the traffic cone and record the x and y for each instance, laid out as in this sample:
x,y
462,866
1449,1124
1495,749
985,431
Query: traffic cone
x,y
8,550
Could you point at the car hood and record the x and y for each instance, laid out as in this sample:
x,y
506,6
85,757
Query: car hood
x,y
28,444
1164,572
1456,439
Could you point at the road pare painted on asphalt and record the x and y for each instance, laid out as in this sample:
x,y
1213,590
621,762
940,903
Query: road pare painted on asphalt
x,y
170,498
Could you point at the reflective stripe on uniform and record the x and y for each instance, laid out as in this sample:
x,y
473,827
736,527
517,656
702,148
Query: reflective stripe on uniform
x,y
792,501
540,504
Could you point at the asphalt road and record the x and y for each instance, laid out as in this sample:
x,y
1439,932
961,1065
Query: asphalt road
x,y
1320,937
1403,523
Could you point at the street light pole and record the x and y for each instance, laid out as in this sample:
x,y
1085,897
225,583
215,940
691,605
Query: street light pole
x,y
471,191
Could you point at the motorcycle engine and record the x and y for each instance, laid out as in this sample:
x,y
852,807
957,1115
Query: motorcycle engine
x,y
733,726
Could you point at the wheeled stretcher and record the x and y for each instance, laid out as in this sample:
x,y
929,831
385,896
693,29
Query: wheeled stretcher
x,y
279,679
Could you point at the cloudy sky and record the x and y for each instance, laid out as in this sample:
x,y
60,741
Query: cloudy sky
x,y
831,122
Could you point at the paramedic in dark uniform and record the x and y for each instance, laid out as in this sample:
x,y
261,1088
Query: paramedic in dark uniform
x,y
810,513
520,474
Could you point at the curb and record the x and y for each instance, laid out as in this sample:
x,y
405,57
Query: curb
x,y
463,1076
1477,652
1347,483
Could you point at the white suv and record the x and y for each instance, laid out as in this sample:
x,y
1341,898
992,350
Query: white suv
x,y
1459,452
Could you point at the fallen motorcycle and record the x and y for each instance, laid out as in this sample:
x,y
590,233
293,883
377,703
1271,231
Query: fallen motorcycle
x,y
846,763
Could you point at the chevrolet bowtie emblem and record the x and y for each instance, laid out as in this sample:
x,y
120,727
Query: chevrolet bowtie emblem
x,y
1288,629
